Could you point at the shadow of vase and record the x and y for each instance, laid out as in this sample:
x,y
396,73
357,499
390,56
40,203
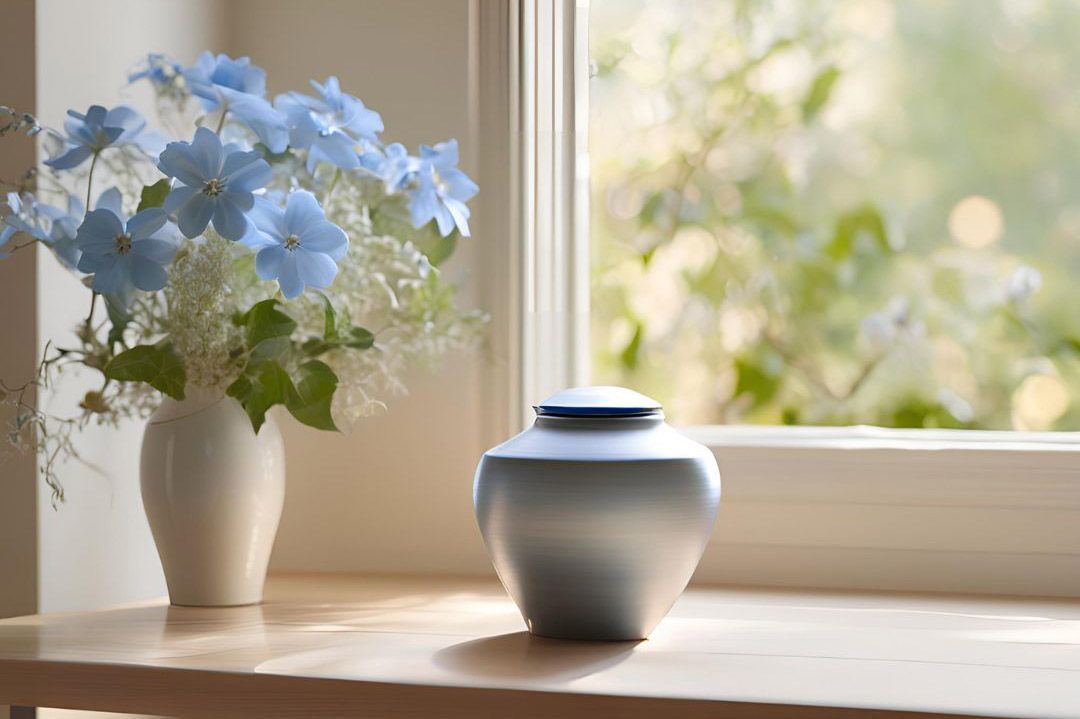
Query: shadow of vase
x,y
522,655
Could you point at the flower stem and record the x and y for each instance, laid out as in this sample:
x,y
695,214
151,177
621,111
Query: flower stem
x,y
333,184
90,181
221,120
93,304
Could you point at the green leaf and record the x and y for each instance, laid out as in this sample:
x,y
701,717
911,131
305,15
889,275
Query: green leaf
x,y
819,92
394,221
272,348
315,347
272,157
153,195
631,354
157,365
119,319
865,219
264,321
260,391
359,338
310,400
755,380
329,320
441,249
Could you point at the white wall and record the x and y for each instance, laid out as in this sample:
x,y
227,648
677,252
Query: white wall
x,y
96,549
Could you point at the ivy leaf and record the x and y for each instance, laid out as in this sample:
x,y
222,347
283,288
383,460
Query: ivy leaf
x,y
819,92
265,321
359,338
309,401
270,349
157,365
315,347
260,391
153,195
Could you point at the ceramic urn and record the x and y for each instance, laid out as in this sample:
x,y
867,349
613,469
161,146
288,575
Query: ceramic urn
x,y
596,516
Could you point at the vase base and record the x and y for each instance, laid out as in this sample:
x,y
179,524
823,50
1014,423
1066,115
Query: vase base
x,y
217,605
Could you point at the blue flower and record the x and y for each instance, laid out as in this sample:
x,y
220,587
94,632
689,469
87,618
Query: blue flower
x,y
122,255
52,226
24,215
330,126
99,128
296,246
393,165
238,87
158,69
65,223
215,186
439,190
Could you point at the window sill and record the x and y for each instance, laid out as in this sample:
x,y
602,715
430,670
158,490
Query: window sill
x,y
332,645
870,508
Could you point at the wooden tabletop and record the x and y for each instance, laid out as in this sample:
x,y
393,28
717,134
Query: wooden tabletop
x,y
328,646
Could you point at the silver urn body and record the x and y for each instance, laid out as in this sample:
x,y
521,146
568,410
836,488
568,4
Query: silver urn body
x,y
596,516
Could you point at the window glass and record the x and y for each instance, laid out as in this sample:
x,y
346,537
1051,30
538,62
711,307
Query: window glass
x,y
838,212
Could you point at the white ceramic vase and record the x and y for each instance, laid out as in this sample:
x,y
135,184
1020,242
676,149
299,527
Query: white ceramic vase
x,y
213,492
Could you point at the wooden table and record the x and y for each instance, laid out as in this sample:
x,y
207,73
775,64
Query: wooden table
x,y
329,646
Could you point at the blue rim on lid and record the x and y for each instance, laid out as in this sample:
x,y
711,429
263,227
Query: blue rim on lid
x,y
597,402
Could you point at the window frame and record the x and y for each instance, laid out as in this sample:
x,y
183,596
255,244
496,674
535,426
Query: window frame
x,y
845,507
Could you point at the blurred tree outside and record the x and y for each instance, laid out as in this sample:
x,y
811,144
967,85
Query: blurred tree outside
x,y
838,212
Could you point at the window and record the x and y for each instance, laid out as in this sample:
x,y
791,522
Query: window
x,y
825,211
838,213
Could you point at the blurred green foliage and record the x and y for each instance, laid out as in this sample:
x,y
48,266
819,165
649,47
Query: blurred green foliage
x,y
838,212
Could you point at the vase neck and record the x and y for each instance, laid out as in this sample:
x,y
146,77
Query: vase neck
x,y
196,399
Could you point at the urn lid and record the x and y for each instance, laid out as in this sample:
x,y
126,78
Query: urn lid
x,y
598,402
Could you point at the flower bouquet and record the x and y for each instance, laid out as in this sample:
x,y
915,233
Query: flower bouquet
x,y
276,253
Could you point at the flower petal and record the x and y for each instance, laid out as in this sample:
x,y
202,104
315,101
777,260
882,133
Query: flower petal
x,y
207,153
325,237
315,268
261,117
178,197
147,274
289,280
154,249
460,213
195,215
110,200
268,218
459,185
99,225
246,171
178,161
301,211
444,220
269,262
74,157
112,275
423,205
146,223
338,148
229,219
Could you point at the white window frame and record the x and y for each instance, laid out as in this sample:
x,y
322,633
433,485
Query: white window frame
x,y
845,507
